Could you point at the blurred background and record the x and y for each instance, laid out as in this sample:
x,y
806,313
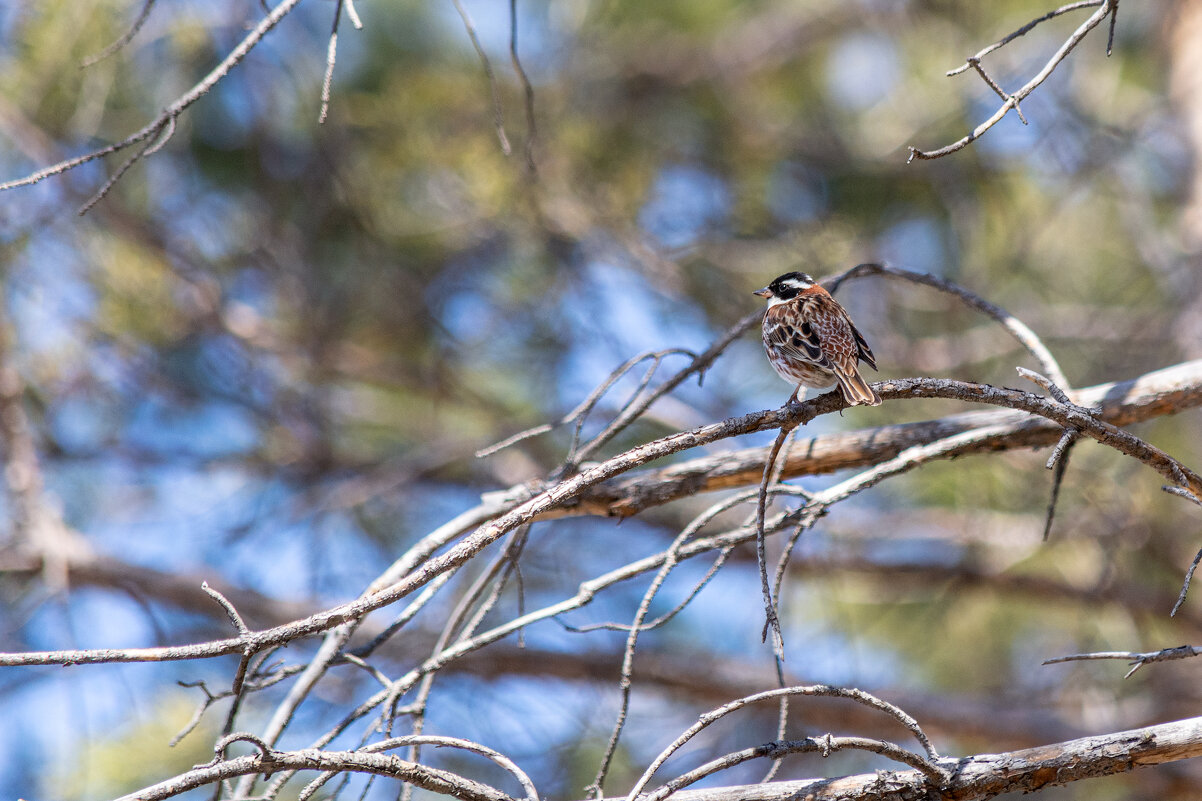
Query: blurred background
x,y
267,358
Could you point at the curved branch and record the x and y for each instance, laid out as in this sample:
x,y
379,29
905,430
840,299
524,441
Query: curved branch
x,y
1017,328
859,696
445,742
566,495
268,761
824,745
989,775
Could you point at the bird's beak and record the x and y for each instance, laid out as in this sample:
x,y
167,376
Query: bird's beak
x,y
763,293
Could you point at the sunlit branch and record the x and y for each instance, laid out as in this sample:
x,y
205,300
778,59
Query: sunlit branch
x,y
166,118
1105,8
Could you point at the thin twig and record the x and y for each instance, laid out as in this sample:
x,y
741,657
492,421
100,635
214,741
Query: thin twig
x,y
527,89
771,622
406,615
1189,576
719,560
371,670
353,15
1135,659
230,611
1058,464
1106,7
327,79
124,39
191,725
157,125
820,690
497,110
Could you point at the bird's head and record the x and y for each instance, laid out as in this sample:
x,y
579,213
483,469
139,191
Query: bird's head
x,y
785,287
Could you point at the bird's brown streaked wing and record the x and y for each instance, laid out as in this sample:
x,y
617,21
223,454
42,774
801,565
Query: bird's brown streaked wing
x,y
845,346
834,331
796,339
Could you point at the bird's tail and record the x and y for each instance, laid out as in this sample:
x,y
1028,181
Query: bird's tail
x,y
856,390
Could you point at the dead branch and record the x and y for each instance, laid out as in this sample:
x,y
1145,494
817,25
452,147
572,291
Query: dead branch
x,y
1136,660
1014,326
818,690
1106,8
271,761
166,119
565,495
1155,394
988,775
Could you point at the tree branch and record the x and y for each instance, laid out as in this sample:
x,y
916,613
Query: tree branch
x,y
1105,8
270,761
1155,394
566,493
166,118
987,775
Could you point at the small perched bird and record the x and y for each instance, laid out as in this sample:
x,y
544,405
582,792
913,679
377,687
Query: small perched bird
x,y
812,342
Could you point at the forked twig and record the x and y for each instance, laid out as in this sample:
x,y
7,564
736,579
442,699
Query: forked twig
x,y
159,138
1105,8
820,690
1058,461
1135,659
579,414
165,118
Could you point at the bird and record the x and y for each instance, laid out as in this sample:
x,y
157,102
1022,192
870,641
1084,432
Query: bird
x,y
811,341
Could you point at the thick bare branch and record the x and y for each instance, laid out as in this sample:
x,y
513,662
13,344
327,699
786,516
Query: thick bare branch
x,y
565,495
988,775
1155,394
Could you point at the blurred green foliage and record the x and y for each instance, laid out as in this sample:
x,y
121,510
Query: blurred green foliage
x,y
272,350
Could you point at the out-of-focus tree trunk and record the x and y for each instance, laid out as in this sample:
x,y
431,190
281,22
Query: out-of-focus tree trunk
x,y
1183,28
1185,42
